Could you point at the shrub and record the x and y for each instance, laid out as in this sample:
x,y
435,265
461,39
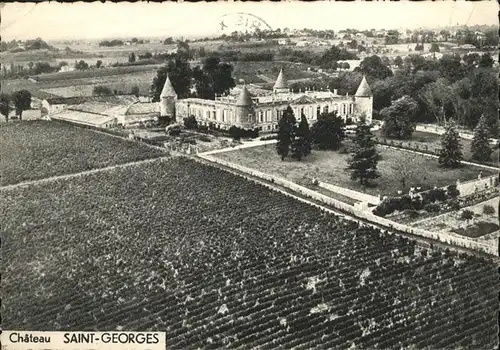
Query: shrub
x,y
437,194
405,202
204,138
412,214
190,122
467,215
455,205
488,210
417,203
432,207
452,191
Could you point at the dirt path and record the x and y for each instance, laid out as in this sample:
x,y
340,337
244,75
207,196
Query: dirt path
x,y
82,173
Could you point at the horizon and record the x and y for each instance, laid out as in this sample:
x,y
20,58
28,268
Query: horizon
x,y
93,21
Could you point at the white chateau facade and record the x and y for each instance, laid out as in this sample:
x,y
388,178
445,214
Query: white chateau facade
x,y
264,110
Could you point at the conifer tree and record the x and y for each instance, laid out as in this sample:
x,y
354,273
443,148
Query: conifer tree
x,y
480,146
286,132
364,158
450,154
328,131
301,146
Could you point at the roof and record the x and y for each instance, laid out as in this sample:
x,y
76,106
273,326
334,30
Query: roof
x,y
74,100
168,89
302,100
83,118
244,99
281,82
364,89
143,108
102,108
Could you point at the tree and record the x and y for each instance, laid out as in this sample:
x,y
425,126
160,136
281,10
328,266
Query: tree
x,y
486,61
405,169
328,131
480,146
135,91
373,67
101,90
98,64
450,154
286,132
398,61
131,57
305,132
399,118
214,78
488,210
22,101
301,144
180,74
346,65
81,65
467,215
5,105
434,47
364,158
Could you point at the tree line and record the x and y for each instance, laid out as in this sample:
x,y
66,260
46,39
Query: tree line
x,y
18,101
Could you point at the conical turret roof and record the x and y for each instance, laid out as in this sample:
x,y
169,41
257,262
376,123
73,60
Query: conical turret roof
x,y
168,89
244,100
364,89
281,82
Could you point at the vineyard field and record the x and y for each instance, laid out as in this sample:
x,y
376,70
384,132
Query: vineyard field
x,y
38,149
217,261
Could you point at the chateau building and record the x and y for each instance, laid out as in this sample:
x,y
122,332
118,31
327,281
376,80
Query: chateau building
x,y
264,110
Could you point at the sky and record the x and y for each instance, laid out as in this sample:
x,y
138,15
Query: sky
x,y
52,21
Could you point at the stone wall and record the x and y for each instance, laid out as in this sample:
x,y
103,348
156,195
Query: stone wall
x,y
470,187
362,197
435,129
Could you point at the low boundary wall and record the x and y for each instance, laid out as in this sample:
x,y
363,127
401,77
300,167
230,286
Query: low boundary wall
x,y
483,245
362,197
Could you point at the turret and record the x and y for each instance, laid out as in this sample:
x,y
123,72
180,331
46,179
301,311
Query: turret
x,y
168,97
363,101
244,110
281,84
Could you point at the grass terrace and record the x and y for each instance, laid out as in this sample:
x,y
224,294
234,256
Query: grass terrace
x,y
330,167
32,150
218,261
428,142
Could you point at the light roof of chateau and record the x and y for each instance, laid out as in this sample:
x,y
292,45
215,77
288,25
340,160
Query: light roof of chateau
x,y
281,82
364,89
244,99
168,89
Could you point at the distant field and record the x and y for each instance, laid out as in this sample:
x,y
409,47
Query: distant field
x,y
38,149
250,71
217,261
331,167
83,86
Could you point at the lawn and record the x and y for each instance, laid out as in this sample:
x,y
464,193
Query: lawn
x,y
432,142
331,167
33,150
218,261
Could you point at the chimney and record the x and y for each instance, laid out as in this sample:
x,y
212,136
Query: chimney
x,y
335,92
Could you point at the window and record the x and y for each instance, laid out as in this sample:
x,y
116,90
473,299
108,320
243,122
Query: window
x,y
261,116
351,108
343,109
318,111
325,109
